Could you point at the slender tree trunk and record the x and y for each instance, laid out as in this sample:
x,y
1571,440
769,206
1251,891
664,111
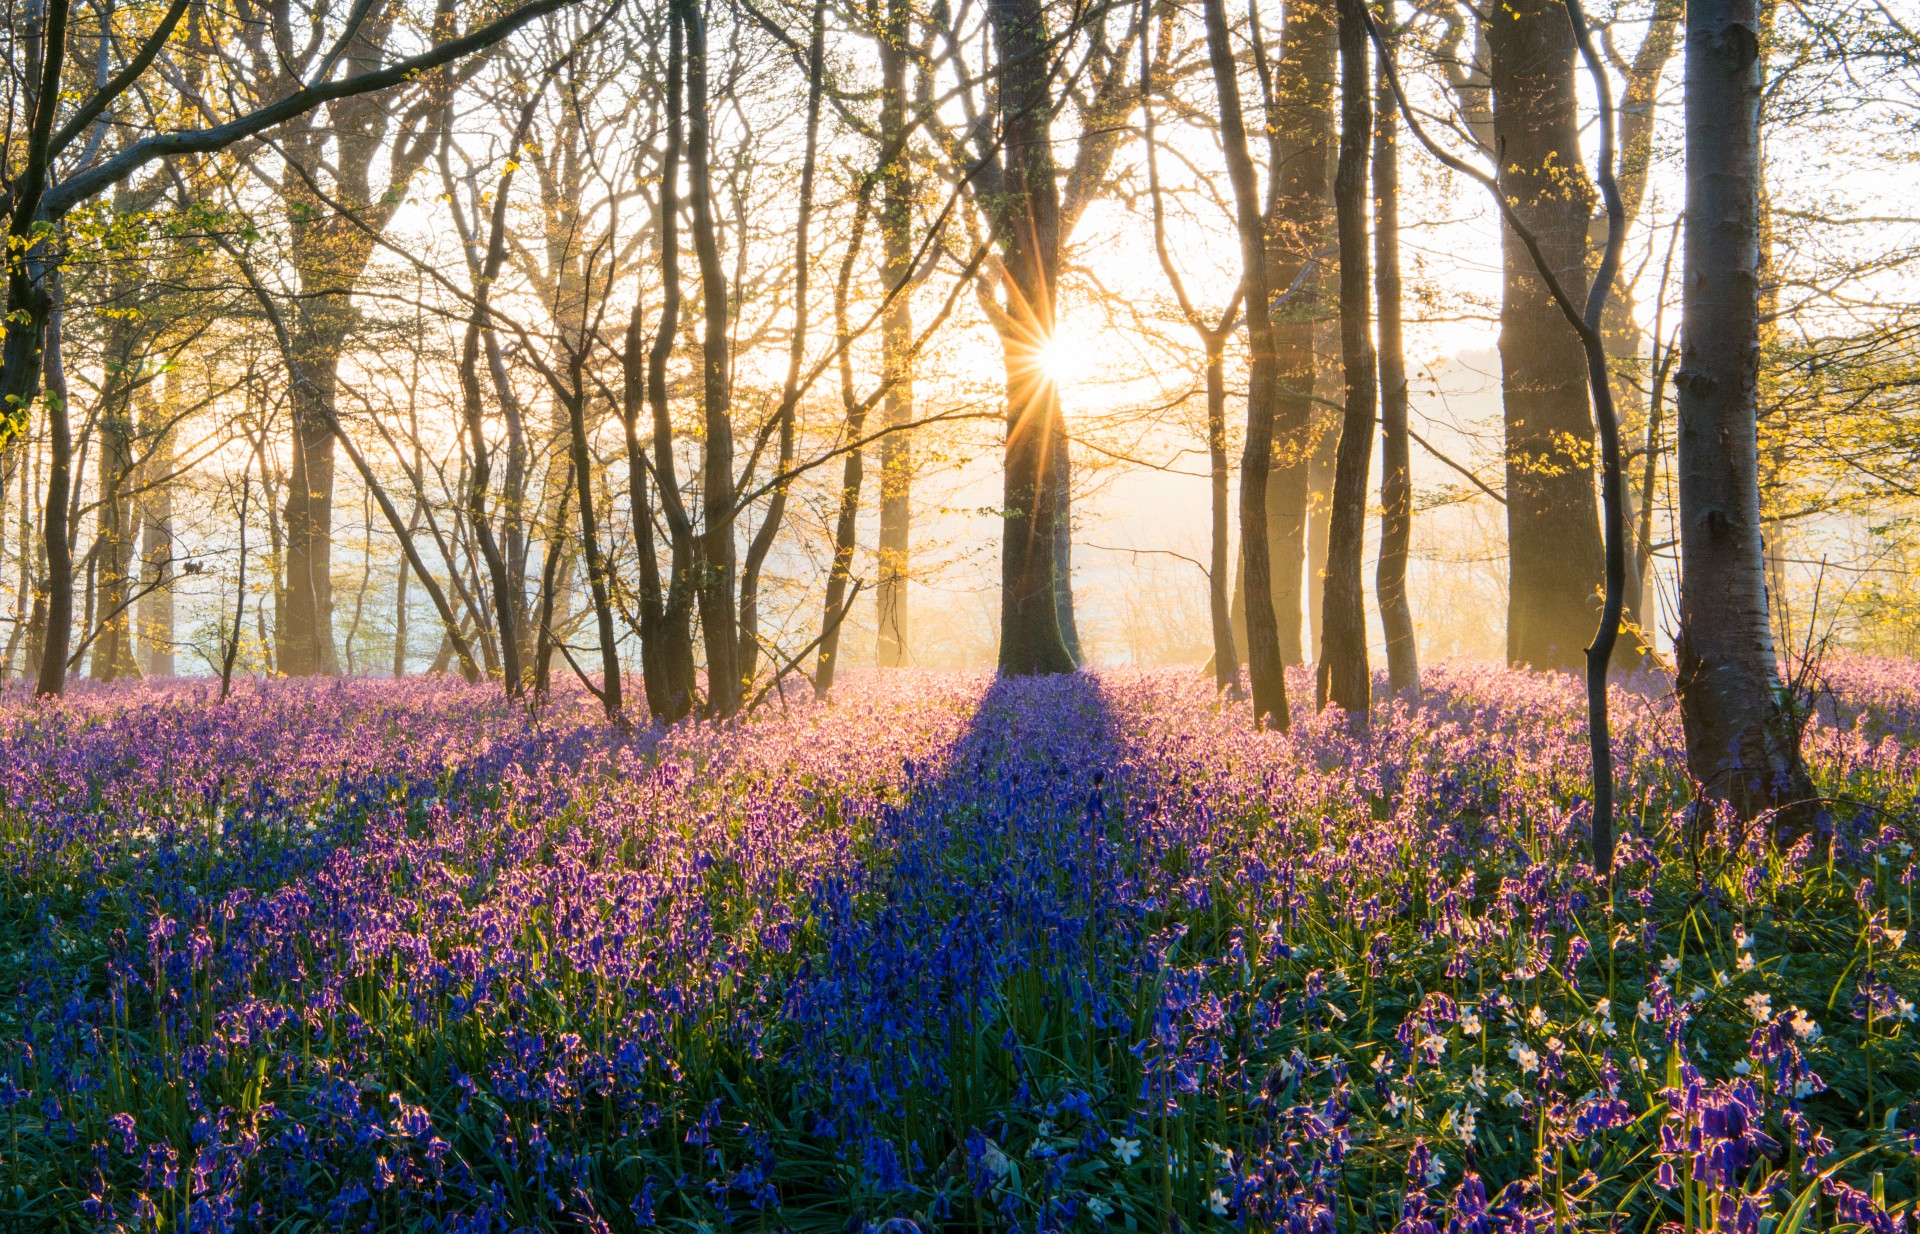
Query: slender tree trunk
x,y
1266,667
1742,743
1226,658
894,648
1344,677
1396,477
1553,529
400,606
154,610
590,547
59,549
1329,403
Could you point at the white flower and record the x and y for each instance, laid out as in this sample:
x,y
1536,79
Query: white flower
x,y
1904,1010
1381,1063
1536,1018
1222,1154
1609,1028
1639,1064
1741,939
1465,1120
1218,1202
1434,1042
1526,1056
1470,1023
1742,1067
1396,1104
1804,1088
1100,1209
1603,1009
1720,978
1761,1005
1646,1011
1478,1081
1436,1172
1670,965
995,1161
1699,995
1746,962
1803,1027
1124,1150
1514,1098
1906,850
1896,939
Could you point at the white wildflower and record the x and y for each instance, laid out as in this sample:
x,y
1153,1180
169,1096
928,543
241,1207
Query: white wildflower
x,y
1470,1023
1514,1098
1804,1027
1478,1081
1100,1209
1124,1150
1670,965
1218,1202
1761,1005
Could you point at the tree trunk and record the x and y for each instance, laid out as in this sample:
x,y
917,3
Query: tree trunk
x,y
718,613
1396,477
154,611
1226,656
894,648
114,511
58,626
1031,640
1742,743
1553,529
1300,120
1344,677
1265,666
306,631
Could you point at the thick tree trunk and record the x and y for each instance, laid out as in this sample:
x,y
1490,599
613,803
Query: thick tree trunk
x,y
1266,667
718,613
1396,476
1031,640
1742,743
114,514
305,634
1301,123
1553,529
1344,677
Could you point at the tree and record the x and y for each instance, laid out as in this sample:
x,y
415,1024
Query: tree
x,y
1266,666
1742,739
1396,479
1553,532
1343,676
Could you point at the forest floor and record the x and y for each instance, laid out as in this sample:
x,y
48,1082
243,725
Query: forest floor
x,y
944,954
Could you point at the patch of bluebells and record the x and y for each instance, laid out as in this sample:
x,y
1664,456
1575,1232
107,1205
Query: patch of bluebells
x,y
1064,954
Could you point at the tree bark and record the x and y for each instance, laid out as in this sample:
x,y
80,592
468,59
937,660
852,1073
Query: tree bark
x,y
718,615
1553,531
1396,477
1031,640
1266,666
894,648
1300,118
1742,743
1344,677
54,521
154,610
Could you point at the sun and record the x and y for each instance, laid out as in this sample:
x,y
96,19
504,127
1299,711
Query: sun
x,y
1065,358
